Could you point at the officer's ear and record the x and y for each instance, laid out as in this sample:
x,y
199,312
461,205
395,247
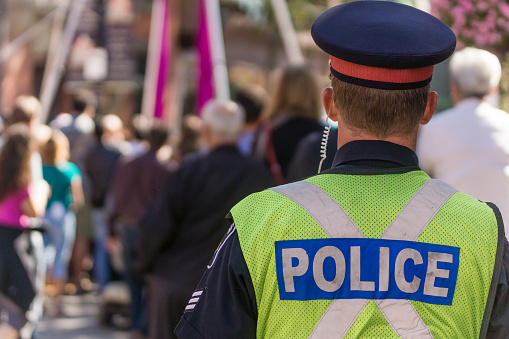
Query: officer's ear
x,y
328,103
431,107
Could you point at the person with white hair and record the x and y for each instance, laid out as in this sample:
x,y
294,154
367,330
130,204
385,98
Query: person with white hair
x,y
222,122
467,146
186,221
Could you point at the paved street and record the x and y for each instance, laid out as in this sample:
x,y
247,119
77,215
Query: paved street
x,y
79,321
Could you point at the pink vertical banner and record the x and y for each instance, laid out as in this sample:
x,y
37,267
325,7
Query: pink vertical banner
x,y
164,60
205,74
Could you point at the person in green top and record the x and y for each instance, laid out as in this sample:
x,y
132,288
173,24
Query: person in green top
x,y
66,198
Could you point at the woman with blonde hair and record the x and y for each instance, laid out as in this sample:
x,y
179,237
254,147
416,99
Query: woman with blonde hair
x,y
20,200
66,198
293,111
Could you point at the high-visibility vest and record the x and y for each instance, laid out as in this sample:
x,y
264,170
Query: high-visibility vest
x,y
373,256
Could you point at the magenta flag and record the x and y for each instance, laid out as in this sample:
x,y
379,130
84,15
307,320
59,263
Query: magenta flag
x,y
205,75
164,60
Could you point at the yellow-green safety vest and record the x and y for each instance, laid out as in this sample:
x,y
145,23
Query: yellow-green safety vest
x,y
370,256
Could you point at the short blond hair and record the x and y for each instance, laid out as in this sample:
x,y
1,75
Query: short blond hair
x,y
55,148
26,108
380,112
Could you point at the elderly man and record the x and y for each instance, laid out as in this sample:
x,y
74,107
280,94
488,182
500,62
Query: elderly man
x,y
186,222
372,248
467,146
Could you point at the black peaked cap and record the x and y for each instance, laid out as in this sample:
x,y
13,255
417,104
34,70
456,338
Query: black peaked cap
x,y
383,34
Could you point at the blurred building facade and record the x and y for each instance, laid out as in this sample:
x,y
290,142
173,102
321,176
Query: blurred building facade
x,y
109,51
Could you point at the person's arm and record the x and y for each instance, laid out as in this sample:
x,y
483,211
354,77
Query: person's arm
x,y
76,187
499,321
35,205
78,196
224,303
36,167
496,315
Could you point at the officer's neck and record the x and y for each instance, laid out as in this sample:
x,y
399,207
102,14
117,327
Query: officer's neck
x,y
347,134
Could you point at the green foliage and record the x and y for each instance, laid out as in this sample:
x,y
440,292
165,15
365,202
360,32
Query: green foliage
x,y
304,12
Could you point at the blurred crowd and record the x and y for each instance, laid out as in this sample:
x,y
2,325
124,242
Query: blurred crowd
x,y
134,210
131,209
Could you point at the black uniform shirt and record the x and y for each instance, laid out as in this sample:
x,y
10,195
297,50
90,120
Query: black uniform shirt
x,y
224,304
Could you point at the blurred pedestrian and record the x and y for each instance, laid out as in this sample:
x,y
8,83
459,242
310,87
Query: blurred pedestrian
x,y
66,199
100,163
104,158
114,135
135,183
293,111
467,146
26,111
308,155
190,143
252,99
78,127
138,144
186,221
20,199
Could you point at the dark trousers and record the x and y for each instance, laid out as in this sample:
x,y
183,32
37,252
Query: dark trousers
x,y
166,307
129,235
17,273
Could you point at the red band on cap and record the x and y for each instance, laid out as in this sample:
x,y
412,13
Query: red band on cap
x,y
381,74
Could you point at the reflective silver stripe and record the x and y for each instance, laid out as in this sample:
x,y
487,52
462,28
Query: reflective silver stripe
x,y
331,217
190,307
326,211
338,318
419,211
197,293
403,318
408,225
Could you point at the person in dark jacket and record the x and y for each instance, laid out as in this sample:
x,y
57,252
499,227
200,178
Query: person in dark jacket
x,y
100,163
134,186
308,155
293,111
186,222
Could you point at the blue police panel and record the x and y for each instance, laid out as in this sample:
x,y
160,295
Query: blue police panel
x,y
338,268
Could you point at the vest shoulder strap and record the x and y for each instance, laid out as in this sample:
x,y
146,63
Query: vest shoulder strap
x,y
332,218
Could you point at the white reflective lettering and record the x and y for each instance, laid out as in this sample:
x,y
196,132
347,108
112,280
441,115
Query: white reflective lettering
x,y
355,272
433,272
290,271
383,278
399,270
339,259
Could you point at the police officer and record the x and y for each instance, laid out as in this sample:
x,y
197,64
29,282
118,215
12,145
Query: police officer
x,y
372,247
